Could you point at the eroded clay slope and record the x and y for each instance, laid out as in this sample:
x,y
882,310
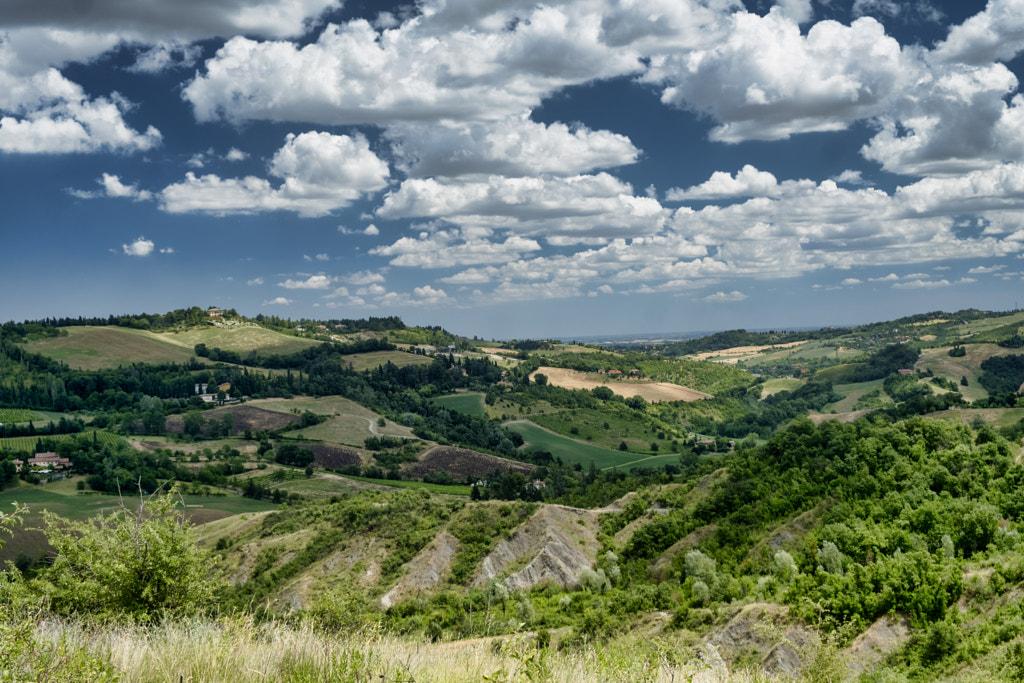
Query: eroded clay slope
x,y
553,545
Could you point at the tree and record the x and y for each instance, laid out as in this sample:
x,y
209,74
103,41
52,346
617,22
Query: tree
x,y
192,424
141,562
540,379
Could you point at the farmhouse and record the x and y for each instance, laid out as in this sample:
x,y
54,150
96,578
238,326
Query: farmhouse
x,y
45,462
214,312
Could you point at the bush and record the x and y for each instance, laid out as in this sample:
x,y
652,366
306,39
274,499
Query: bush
x,y
143,563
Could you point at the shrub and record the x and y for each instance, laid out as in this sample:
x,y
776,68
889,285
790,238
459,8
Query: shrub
x,y
143,563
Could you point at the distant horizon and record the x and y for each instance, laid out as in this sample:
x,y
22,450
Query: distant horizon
x,y
608,337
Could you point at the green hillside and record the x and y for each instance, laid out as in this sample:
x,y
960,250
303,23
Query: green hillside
x,y
97,348
503,528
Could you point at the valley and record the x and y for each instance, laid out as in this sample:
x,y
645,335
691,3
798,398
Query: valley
x,y
786,507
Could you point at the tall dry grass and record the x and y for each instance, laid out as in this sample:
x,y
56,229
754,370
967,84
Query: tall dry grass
x,y
236,650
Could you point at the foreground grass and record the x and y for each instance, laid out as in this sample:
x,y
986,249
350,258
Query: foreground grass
x,y
238,649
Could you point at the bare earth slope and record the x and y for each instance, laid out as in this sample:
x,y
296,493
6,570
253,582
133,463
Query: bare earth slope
x,y
555,544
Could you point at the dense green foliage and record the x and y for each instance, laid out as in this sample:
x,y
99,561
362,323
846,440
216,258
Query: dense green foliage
x,y
882,363
140,562
1001,374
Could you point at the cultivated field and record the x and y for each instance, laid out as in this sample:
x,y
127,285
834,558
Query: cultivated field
x,y
369,361
241,339
247,416
738,353
467,403
28,443
99,348
62,498
350,423
652,392
943,365
15,415
461,463
774,386
572,451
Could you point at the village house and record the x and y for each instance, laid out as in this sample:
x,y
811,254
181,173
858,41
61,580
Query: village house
x,y
45,462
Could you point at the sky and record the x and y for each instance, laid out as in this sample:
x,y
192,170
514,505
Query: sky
x,y
513,169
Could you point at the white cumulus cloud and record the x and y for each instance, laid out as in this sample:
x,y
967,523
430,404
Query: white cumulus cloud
x,y
140,247
320,172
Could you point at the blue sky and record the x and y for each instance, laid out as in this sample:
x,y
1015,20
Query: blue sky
x,y
512,169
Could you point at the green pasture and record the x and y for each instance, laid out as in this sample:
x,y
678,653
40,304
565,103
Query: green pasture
x,y
240,339
370,361
997,417
571,451
466,403
63,498
943,365
325,405
15,415
989,324
852,393
774,386
812,350
316,487
100,348
28,443
454,490
589,425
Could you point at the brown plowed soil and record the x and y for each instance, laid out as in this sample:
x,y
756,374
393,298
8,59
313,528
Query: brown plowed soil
x,y
246,417
650,391
334,457
461,463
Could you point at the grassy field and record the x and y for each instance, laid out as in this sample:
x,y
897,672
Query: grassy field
x,y
350,423
99,348
997,417
369,361
468,403
15,415
576,451
327,405
852,393
604,428
352,430
982,326
240,339
455,490
969,366
28,443
810,351
774,386
62,498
